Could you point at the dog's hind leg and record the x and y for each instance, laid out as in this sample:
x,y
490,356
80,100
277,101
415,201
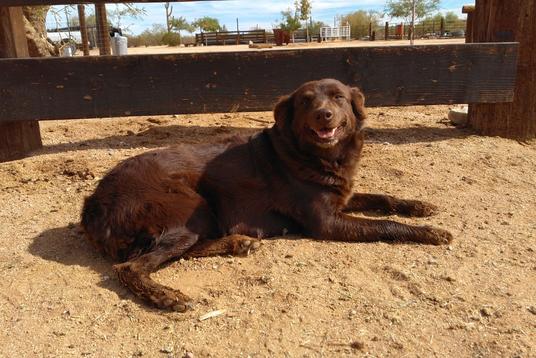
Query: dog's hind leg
x,y
237,245
387,204
135,273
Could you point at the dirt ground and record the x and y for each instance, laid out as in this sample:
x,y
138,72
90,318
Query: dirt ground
x,y
240,48
294,297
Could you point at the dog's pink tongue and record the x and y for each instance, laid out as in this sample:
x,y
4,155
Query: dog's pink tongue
x,y
326,133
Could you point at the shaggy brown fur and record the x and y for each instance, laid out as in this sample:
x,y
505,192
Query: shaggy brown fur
x,y
211,199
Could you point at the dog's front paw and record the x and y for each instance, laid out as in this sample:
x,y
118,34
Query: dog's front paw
x,y
434,236
145,288
416,208
244,245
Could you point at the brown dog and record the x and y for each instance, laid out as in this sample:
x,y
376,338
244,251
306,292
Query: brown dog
x,y
211,199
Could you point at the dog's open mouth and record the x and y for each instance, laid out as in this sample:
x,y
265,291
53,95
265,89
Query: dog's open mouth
x,y
325,134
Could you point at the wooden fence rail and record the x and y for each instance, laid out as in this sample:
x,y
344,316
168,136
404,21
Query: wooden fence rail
x,y
87,87
233,37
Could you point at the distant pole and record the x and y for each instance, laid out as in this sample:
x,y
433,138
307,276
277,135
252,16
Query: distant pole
x,y
83,29
412,36
68,24
237,32
103,38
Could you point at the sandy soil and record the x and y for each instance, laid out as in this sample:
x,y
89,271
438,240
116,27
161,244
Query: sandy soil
x,y
240,48
295,297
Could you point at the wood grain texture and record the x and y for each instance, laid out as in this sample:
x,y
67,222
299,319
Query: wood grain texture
x,y
87,87
83,29
103,37
513,20
12,33
16,138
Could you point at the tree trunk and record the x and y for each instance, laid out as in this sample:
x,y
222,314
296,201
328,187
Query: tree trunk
x,y
36,33
514,20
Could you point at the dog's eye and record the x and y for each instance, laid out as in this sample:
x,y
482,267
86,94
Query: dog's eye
x,y
339,97
306,100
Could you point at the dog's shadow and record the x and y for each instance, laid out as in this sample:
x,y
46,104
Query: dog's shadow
x,y
67,245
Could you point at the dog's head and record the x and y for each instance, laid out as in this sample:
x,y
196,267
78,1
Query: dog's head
x,y
321,113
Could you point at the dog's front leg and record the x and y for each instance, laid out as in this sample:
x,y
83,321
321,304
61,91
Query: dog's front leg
x,y
389,205
342,227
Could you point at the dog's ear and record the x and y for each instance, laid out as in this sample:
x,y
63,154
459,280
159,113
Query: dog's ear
x,y
284,111
358,104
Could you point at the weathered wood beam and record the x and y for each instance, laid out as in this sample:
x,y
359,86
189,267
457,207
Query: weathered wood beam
x,y
75,2
16,138
87,87
512,20
467,9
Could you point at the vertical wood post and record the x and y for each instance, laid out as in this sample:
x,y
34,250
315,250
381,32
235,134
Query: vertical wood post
x,y
16,138
370,30
83,29
498,21
442,26
470,11
386,31
103,38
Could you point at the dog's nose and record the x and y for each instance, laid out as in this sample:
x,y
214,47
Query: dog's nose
x,y
324,114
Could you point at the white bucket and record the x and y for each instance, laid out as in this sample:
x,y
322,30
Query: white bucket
x,y
67,51
119,45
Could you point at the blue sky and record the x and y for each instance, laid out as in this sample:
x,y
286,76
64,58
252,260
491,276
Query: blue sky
x,y
263,13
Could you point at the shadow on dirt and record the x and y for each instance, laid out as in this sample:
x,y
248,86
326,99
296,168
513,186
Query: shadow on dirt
x,y
154,137
415,134
67,246
163,136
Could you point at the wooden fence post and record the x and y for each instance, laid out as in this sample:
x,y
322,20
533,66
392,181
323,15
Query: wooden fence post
x,y
469,10
386,31
499,21
16,138
83,29
103,38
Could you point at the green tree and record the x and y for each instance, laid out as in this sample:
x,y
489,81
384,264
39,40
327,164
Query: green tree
x,y
303,8
449,17
314,27
180,24
359,22
290,21
207,24
149,37
403,8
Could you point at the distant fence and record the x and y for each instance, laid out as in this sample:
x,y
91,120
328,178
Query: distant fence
x,y
331,33
72,33
233,37
423,29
